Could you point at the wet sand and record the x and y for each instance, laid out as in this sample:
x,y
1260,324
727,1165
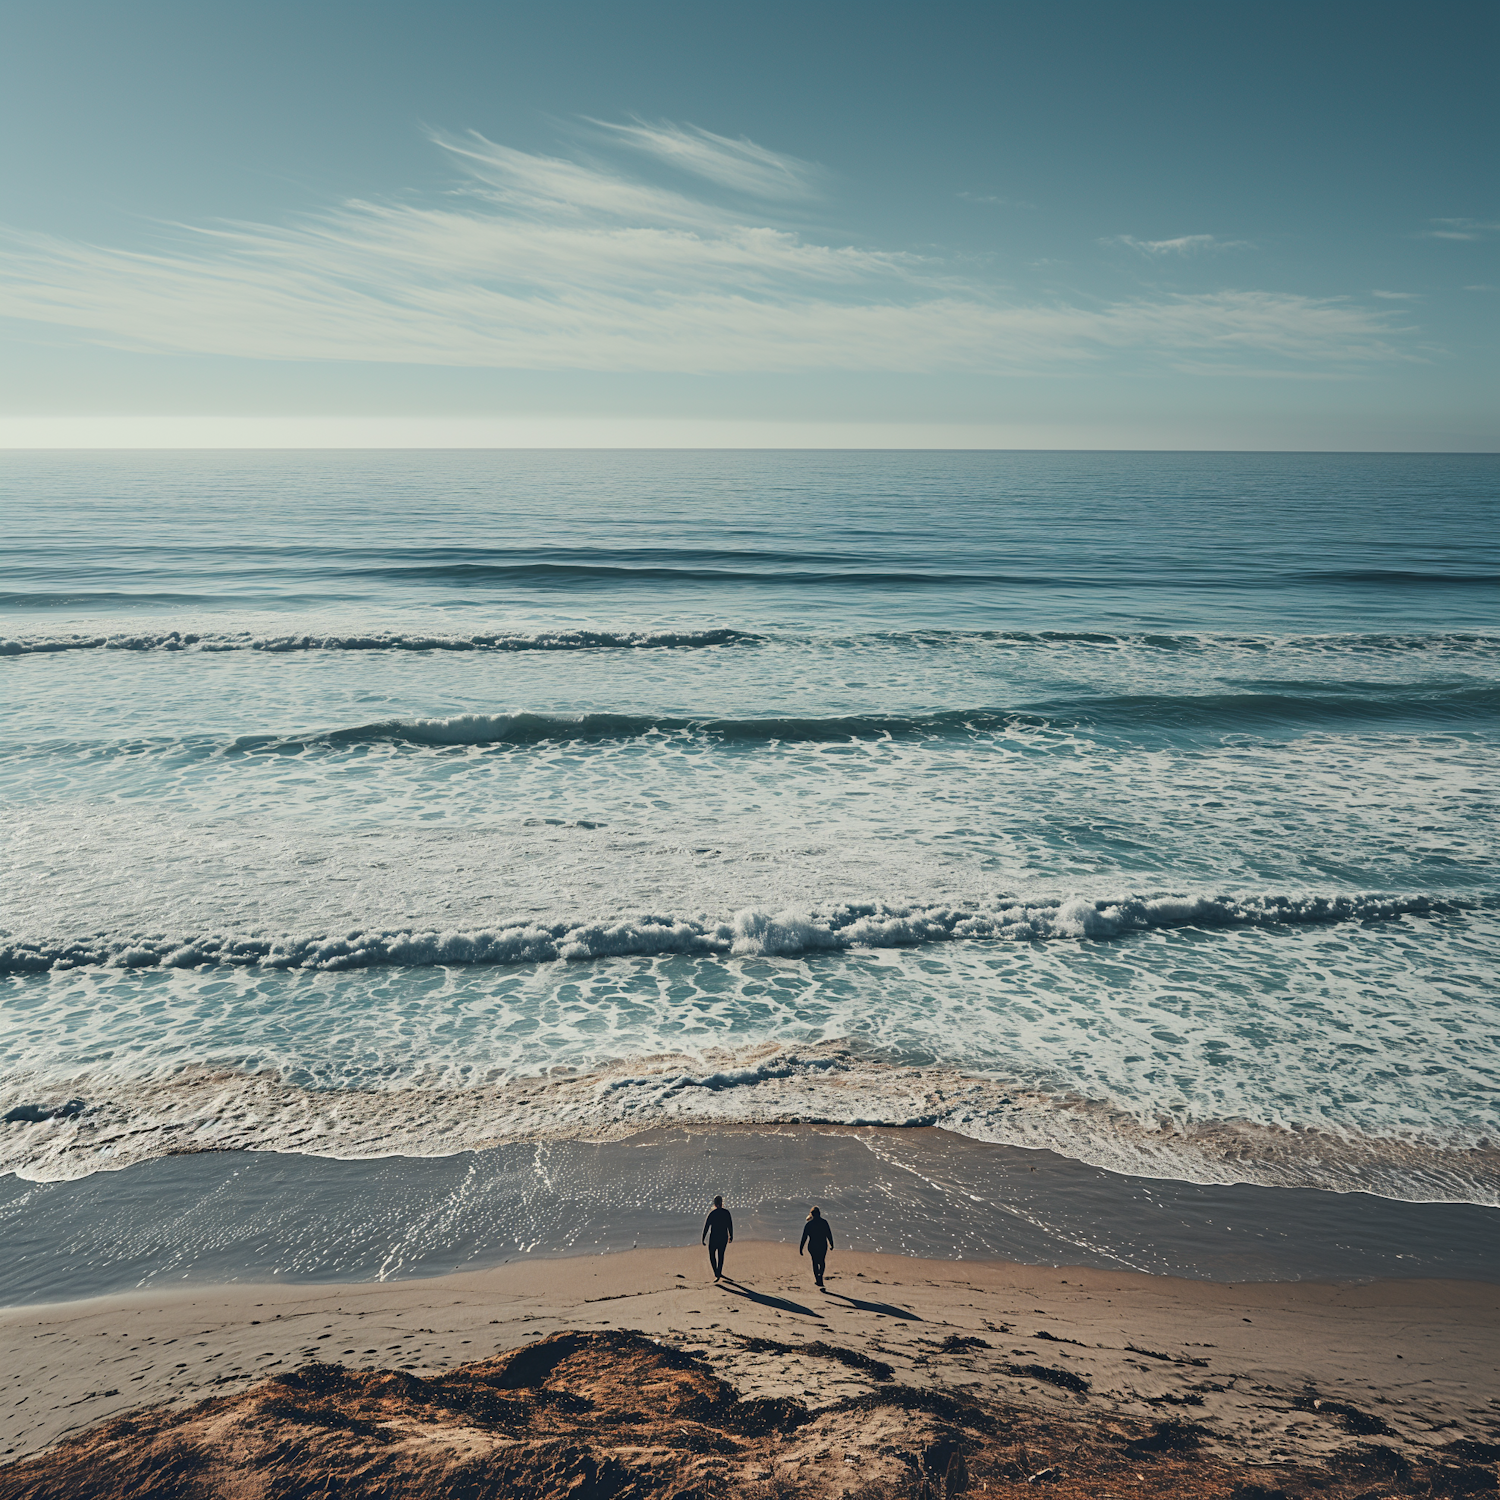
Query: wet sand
x,y
1421,1358
226,1216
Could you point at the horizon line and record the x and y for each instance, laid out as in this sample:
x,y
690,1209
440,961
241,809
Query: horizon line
x,y
725,448
170,432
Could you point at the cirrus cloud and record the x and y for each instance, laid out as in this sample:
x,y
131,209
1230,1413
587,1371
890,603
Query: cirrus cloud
x,y
1459,229
1183,244
574,263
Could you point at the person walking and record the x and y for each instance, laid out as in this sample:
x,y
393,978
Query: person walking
x,y
718,1231
817,1238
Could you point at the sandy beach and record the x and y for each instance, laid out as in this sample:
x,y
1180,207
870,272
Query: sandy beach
x,y
1417,1361
1060,1316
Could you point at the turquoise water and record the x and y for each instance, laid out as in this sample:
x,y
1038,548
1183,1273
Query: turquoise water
x,y
1158,790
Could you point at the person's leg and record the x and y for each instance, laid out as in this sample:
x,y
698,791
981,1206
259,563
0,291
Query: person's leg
x,y
818,1264
716,1259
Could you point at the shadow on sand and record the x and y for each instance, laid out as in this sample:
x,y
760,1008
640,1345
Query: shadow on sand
x,y
780,1303
881,1309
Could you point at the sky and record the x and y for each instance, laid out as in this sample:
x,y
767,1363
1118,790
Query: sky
x,y
1051,225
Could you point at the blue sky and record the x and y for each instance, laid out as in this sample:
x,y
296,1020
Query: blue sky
x,y
1145,225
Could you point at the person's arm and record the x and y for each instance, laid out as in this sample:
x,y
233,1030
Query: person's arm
x,y
729,1224
806,1230
829,1233
706,1223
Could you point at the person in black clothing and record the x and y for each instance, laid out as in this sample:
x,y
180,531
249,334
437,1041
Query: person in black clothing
x,y
818,1239
718,1231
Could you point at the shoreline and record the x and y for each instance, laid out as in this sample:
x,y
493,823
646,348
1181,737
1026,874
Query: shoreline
x,y
238,1217
1416,1360
71,1127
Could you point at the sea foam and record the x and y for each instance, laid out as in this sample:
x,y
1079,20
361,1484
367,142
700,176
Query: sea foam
x,y
125,1122
392,640
748,933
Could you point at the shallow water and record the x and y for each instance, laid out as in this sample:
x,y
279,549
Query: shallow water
x,y
1163,784
270,1217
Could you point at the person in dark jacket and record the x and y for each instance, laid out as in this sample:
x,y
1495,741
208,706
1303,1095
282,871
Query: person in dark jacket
x,y
718,1231
817,1238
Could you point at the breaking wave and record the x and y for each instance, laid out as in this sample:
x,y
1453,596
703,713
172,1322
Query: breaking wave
x,y
324,639
499,641
749,933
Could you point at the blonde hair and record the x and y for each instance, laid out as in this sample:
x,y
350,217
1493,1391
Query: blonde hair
x,y
817,1213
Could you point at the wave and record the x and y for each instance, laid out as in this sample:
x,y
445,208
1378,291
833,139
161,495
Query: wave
x,y
1358,642
772,570
309,583
122,1121
498,641
811,569
1394,576
85,598
1214,712
212,641
748,934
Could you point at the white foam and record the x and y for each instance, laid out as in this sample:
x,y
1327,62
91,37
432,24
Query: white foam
x,y
199,1109
217,640
748,933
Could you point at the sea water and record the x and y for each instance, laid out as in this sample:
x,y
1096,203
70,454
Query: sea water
x,y
1143,806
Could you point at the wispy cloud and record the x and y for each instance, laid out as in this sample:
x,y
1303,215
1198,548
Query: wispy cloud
x,y
995,199
543,262
1183,244
1397,296
740,165
1459,229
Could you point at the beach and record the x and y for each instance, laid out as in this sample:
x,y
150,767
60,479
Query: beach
x,y
1423,1357
877,623
1246,1310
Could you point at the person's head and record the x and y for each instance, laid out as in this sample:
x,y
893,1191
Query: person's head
x,y
718,1202
815,1214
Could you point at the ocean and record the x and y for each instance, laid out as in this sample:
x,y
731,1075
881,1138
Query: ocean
x,y
1140,807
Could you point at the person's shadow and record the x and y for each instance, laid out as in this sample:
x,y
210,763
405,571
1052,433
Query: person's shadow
x,y
780,1303
880,1309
